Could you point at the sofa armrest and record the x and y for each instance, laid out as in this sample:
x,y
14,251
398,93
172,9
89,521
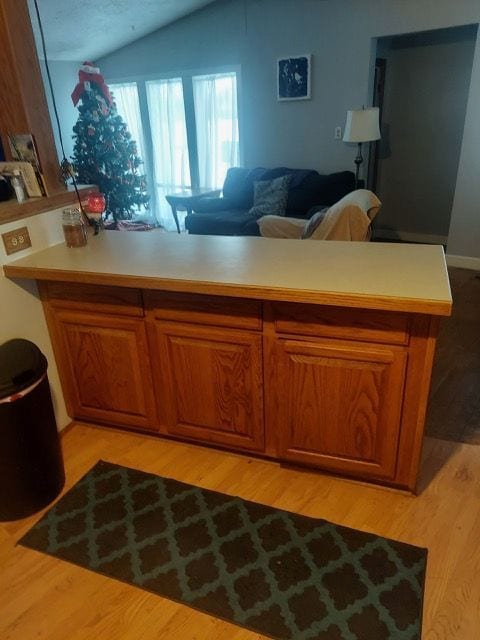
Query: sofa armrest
x,y
213,205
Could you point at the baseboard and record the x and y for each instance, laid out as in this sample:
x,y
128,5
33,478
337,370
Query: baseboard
x,y
464,262
64,430
406,236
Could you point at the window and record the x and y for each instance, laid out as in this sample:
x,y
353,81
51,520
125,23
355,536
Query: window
x,y
215,98
128,107
171,168
190,137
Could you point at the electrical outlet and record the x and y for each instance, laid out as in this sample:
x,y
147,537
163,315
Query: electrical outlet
x,y
338,133
16,240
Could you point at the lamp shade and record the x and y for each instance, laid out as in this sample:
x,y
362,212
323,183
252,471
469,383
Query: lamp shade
x,y
362,125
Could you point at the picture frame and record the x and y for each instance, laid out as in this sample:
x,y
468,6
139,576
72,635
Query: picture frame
x,y
294,77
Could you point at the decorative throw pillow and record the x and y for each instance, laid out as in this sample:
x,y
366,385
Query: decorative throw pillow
x,y
270,197
314,222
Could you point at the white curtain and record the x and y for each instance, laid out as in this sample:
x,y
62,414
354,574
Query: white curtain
x,y
128,107
215,98
170,149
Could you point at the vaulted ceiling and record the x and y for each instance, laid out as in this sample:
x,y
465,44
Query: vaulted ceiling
x,y
88,29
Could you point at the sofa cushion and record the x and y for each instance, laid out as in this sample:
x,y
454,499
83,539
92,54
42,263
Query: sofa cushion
x,y
238,186
270,197
213,205
226,223
327,189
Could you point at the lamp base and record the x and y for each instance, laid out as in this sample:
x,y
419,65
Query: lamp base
x,y
358,161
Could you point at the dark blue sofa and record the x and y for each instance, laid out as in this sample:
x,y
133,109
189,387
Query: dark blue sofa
x,y
229,214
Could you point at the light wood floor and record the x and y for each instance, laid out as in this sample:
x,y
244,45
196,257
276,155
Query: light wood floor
x,y
454,406
45,598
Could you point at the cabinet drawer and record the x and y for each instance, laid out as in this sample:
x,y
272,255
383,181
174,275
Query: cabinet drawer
x,y
219,311
100,298
347,324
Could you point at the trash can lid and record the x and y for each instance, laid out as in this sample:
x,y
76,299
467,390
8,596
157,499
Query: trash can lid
x,y
21,365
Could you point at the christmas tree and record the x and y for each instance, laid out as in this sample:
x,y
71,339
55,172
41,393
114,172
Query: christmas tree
x,y
104,152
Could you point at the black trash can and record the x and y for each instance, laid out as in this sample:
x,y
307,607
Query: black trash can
x,y
31,463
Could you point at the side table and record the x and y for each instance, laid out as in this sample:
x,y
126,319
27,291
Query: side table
x,y
187,198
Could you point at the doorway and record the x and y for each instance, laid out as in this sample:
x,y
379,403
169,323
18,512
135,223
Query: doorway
x,y
422,81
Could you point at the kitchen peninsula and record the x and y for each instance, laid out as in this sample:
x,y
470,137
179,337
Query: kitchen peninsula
x,y
312,353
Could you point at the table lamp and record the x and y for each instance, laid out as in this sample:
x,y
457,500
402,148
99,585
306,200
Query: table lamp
x,y
362,125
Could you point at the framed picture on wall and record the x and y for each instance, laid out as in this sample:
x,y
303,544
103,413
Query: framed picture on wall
x,y
293,78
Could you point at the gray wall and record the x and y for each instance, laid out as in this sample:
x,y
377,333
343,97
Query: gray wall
x,y
64,78
426,91
340,35
254,34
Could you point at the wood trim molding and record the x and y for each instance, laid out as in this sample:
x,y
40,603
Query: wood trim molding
x,y
12,210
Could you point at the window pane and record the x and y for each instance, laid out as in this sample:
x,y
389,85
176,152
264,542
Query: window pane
x,y
128,107
169,138
216,116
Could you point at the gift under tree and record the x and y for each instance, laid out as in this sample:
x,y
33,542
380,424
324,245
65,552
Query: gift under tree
x,y
104,152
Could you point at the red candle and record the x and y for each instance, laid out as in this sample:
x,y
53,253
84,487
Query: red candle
x,y
96,203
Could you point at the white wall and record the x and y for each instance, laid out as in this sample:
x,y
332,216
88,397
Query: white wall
x,y
339,34
423,119
21,314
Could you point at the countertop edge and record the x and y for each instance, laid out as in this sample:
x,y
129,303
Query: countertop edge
x,y
329,298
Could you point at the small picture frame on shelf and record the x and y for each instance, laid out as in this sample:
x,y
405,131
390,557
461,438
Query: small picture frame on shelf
x,y
293,78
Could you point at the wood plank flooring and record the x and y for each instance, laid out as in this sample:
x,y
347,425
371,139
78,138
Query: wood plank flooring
x,y
44,598
454,405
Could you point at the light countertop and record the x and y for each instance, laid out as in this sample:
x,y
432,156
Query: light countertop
x,y
372,275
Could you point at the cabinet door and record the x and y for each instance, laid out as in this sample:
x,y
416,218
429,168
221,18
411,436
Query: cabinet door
x,y
106,368
338,406
210,383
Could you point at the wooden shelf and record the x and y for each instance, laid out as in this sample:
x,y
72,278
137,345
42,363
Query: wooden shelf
x,y
11,210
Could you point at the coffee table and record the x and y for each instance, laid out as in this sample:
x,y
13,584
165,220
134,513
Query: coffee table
x,y
187,198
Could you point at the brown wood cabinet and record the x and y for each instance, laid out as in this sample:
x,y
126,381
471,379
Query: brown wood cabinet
x,y
333,388
210,383
338,405
100,343
106,368
207,355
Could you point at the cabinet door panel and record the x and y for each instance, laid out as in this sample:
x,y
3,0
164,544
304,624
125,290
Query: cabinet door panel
x,y
339,406
212,381
107,368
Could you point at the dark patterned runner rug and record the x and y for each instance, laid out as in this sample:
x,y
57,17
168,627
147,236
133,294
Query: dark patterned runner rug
x,y
278,573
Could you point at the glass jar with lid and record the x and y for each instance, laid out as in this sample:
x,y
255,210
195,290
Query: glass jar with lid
x,y
74,228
